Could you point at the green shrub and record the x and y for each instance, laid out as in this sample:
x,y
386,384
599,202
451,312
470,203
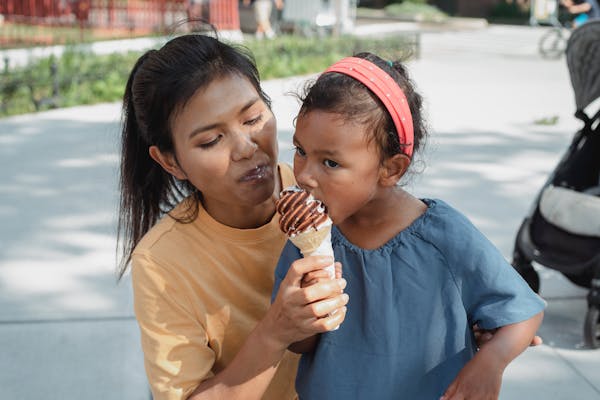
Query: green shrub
x,y
290,55
84,78
415,10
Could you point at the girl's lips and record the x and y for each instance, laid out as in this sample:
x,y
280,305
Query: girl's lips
x,y
256,174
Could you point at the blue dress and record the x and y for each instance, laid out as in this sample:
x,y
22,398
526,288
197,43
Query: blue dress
x,y
407,331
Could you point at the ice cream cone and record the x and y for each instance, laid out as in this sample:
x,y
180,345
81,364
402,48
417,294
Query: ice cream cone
x,y
316,242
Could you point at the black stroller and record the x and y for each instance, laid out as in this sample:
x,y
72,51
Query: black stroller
x,y
562,231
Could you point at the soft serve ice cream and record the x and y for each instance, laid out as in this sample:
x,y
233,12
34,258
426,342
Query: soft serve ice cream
x,y
304,219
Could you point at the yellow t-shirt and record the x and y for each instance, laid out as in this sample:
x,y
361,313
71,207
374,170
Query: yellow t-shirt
x,y
199,289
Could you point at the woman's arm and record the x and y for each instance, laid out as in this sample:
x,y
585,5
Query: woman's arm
x,y
304,346
296,313
311,278
481,378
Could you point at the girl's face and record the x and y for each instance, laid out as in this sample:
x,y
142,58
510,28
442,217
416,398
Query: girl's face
x,y
226,146
335,161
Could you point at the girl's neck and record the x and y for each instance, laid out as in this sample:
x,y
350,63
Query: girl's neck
x,y
382,219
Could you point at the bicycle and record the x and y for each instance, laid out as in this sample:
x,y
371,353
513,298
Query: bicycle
x,y
553,43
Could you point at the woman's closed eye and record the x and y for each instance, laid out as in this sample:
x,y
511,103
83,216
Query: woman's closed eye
x,y
254,121
211,143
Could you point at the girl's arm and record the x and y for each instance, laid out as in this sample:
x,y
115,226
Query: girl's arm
x,y
297,313
481,378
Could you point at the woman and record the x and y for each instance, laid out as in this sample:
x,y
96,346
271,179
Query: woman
x,y
199,180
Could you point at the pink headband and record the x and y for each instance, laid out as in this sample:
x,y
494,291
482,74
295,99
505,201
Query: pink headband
x,y
386,89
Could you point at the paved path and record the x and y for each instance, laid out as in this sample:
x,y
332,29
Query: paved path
x,y
67,329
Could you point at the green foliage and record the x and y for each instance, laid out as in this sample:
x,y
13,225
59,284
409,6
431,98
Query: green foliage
x,y
409,3
415,10
552,120
292,55
79,77
76,78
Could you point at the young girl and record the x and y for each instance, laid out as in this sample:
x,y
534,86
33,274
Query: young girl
x,y
419,273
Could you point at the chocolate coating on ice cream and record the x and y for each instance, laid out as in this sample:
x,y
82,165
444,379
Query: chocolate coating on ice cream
x,y
299,211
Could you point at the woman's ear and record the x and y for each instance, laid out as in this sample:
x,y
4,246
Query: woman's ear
x,y
393,169
167,161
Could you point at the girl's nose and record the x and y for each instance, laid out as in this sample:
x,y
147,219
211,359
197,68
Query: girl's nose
x,y
244,147
305,177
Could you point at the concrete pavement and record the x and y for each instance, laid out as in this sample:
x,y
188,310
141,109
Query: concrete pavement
x,y
67,329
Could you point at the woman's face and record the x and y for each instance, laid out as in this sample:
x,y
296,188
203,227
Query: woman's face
x,y
226,144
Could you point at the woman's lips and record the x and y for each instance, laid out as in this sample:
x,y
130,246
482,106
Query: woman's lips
x,y
256,174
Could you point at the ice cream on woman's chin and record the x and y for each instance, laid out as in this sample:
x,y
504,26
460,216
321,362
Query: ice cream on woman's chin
x,y
306,223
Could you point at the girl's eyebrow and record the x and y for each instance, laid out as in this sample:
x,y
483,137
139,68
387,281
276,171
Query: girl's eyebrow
x,y
328,152
323,152
208,127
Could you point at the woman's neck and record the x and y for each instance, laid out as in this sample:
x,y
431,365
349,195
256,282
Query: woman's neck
x,y
382,219
245,217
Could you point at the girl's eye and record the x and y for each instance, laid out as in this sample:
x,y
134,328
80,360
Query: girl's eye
x,y
330,164
211,143
299,151
254,121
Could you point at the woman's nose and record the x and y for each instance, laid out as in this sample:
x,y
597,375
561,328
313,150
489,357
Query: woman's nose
x,y
244,147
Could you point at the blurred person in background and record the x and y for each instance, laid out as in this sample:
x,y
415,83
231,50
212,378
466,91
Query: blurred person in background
x,y
584,10
262,14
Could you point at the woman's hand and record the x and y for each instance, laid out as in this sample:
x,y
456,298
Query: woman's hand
x,y
320,275
299,312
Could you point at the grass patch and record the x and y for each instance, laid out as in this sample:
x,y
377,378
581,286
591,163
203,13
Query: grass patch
x,y
79,77
547,121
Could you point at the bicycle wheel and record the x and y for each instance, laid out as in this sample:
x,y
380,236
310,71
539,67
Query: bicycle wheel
x,y
553,43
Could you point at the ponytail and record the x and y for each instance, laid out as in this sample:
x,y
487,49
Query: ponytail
x,y
143,182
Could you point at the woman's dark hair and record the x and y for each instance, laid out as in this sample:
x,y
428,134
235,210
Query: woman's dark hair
x,y
159,86
343,95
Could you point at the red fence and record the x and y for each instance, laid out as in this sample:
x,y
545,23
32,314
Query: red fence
x,y
131,15
33,8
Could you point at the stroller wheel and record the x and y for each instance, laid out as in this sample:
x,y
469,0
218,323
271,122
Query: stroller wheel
x,y
591,329
583,279
528,273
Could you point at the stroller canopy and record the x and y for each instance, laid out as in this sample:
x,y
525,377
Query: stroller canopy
x,y
583,60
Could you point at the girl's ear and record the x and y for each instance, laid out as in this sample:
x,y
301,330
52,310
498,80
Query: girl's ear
x,y
393,169
167,161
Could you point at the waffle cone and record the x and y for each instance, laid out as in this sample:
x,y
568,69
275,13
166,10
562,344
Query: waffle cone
x,y
310,241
